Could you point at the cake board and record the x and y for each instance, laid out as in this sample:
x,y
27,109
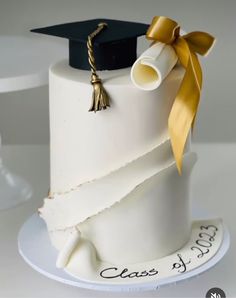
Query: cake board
x,y
35,247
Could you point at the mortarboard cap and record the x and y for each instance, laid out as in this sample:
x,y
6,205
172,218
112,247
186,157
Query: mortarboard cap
x,y
115,47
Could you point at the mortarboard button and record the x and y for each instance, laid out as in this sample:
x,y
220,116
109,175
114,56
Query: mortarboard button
x,y
114,48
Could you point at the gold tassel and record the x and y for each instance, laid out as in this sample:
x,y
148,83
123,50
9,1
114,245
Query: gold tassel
x,y
100,98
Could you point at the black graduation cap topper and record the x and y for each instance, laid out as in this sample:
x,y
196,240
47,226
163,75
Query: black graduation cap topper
x,y
114,48
99,44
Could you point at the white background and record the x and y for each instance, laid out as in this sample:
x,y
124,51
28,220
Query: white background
x,y
24,114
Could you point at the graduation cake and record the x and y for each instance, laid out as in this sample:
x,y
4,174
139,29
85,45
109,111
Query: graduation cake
x,y
120,156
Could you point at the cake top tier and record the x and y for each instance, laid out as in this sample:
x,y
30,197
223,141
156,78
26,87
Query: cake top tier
x,y
114,47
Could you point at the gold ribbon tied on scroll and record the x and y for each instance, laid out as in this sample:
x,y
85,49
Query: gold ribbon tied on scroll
x,y
184,109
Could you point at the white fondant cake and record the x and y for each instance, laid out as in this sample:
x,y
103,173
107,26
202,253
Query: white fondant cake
x,y
87,146
113,175
120,157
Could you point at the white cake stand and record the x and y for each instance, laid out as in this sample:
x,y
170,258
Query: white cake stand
x,y
24,64
40,255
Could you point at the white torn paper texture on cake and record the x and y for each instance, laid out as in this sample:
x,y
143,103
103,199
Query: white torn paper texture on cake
x,y
151,68
92,198
68,248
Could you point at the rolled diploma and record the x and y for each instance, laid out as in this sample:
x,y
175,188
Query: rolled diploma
x,y
151,68
67,250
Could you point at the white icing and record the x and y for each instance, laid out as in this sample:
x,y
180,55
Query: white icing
x,y
85,145
92,197
68,248
120,167
152,67
139,218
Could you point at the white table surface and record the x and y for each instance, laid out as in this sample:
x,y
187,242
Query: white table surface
x,y
24,60
213,188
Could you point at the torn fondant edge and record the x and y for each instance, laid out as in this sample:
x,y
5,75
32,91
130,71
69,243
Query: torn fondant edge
x,y
61,193
63,202
90,200
61,238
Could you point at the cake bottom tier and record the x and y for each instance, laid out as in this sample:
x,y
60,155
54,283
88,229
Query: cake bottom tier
x,y
151,222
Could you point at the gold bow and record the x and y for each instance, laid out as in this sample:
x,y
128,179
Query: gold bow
x,y
185,105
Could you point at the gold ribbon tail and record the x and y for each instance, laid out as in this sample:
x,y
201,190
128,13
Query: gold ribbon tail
x,y
185,105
